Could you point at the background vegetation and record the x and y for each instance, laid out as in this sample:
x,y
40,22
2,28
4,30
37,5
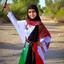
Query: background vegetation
x,y
19,8
53,9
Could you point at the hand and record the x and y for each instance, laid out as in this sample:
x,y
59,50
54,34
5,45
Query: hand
x,y
6,7
39,44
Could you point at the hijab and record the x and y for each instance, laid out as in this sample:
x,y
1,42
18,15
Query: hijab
x,y
37,18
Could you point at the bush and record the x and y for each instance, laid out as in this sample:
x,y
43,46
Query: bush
x,y
48,12
60,16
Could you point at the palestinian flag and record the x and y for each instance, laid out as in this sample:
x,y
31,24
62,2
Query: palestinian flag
x,y
30,55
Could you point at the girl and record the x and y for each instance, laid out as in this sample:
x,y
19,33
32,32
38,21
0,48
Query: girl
x,y
34,35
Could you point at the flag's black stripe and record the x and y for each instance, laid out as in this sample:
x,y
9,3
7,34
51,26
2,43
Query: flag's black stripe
x,y
30,59
34,35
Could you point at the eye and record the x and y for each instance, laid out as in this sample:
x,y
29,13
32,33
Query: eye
x,y
31,11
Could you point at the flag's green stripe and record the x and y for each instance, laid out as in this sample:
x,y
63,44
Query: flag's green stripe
x,y
24,54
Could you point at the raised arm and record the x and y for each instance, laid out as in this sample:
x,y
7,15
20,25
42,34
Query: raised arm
x,y
11,16
19,25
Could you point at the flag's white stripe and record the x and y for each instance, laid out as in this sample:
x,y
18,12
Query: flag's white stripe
x,y
40,52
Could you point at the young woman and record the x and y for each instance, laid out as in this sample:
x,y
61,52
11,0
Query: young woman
x,y
34,35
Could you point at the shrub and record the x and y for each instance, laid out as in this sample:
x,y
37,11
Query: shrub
x,y
60,16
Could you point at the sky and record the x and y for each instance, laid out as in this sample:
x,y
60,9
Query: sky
x,y
42,2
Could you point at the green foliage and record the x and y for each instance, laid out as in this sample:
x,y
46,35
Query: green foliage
x,y
14,0
48,2
19,9
53,7
0,1
60,15
50,8
47,12
40,10
3,17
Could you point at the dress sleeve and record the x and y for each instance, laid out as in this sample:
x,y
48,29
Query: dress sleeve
x,y
45,41
19,26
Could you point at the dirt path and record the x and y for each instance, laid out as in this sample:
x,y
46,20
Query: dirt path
x,y
55,55
11,46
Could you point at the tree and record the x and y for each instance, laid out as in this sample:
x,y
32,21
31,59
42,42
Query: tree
x,y
54,5
0,2
19,7
15,0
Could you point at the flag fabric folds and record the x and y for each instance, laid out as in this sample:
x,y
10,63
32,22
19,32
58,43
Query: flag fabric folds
x,y
30,55
24,54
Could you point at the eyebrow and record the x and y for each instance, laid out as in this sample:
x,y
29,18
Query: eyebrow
x,y
32,11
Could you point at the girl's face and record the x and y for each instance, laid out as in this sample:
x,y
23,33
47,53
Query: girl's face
x,y
32,13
